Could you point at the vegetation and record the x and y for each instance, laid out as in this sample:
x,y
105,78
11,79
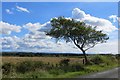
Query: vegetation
x,y
82,35
65,67
40,54
50,60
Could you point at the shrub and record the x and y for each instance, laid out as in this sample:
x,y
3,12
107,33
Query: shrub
x,y
106,59
64,62
38,64
109,60
56,65
7,68
65,68
77,67
97,59
72,68
48,66
24,67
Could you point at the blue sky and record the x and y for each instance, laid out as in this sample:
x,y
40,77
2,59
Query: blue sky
x,y
42,12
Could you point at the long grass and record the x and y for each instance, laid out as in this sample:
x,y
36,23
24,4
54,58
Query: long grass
x,y
54,67
52,60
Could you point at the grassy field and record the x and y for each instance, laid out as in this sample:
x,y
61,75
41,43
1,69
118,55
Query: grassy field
x,y
54,67
52,60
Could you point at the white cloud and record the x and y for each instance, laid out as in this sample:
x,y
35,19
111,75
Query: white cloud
x,y
39,45
36,40
22,9
46,45
9,11
15,43
10,42
114,18
37,30
102,24
37,35
78,14
109,47
46,26
6,28
32,27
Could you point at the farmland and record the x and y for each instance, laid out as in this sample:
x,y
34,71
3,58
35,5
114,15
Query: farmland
x,y
51,60
54,66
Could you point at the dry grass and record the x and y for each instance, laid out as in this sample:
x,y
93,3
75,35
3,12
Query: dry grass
x,y
53,60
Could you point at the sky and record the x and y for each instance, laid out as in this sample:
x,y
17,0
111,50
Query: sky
x,y
60,0
24,24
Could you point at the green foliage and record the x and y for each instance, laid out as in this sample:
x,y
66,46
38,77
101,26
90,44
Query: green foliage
x,y
38,64
82,34
67,67
56,71
97,59
107,60
7,68
38,69
37,74
48,67
77,67
25,66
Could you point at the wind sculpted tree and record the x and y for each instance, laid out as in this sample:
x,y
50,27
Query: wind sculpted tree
x,y
82,35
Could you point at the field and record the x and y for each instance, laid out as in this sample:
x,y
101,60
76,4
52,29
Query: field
x,y
52,60
54,67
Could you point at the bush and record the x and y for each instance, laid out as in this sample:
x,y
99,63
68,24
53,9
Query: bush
x,y
97,59
77,67
38,64
24,67
65,68
64,62
106,59
72,68
7,68
109,60
48,66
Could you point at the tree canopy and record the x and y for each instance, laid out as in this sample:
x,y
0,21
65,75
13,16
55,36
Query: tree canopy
x,y
82,35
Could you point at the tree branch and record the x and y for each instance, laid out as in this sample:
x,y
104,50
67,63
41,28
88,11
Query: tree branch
x,y
90,47
76,44
83,44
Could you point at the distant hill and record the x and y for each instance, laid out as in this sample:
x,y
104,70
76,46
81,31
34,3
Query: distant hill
x,y
31,54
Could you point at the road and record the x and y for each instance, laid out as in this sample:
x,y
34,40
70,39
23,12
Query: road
x,y
113,73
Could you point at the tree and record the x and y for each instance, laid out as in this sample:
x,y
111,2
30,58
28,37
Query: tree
x,y
82,35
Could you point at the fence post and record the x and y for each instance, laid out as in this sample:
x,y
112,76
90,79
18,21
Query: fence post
x,y
83,61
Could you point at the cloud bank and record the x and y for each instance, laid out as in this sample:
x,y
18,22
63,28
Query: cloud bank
x,y
6,28
36,39
102,24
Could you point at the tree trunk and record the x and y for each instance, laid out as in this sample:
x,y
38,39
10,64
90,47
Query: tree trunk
x,y
84,53
86,61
